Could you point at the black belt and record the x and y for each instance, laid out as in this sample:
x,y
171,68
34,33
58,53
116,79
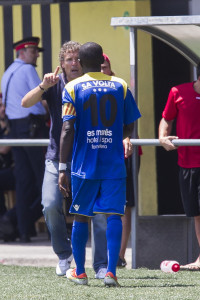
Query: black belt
x,y
28,118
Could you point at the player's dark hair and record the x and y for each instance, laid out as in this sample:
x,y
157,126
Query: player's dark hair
x,y
91,55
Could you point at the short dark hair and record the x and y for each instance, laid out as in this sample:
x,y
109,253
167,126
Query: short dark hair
x,y
91,55
198,70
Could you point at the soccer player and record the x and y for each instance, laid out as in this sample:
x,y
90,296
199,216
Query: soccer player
x,y
98,112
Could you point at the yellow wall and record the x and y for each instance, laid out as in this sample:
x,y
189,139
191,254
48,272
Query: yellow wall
x,y
37,31
90,21
146,128
55,29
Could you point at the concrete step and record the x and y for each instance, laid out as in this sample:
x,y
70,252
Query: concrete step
x,y
40,253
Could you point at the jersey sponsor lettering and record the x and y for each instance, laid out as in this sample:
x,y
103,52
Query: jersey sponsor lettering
x,y
98,84
101,137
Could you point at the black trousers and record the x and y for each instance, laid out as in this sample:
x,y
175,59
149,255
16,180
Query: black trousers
x,y
7,182
29,172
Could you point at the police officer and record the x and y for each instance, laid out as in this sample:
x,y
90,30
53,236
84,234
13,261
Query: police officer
x,y
18,79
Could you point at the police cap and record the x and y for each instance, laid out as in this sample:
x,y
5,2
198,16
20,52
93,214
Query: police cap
x,y
28,42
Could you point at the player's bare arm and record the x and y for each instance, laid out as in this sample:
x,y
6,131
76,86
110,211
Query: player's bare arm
x,y
165,128
66,145
35,95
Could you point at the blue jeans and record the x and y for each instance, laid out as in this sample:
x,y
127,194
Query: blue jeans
x,y
99,223
52,201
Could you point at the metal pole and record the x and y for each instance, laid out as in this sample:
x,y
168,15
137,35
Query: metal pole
x,y
136,142
156,142
133,87
24,142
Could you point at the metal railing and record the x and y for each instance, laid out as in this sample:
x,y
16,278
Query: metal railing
x,y
137,142
156,142
24,142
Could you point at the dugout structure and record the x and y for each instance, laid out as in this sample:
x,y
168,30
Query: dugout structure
x,y
156,238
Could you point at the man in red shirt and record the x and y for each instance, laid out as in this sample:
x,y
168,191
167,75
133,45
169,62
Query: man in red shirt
x,y
183,104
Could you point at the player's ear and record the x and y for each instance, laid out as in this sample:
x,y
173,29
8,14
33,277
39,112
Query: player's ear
x,y
80,61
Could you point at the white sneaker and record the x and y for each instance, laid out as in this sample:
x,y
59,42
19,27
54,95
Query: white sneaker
x,y
101,273
63,265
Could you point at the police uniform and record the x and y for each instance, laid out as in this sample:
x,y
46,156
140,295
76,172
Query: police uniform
x,y
17,81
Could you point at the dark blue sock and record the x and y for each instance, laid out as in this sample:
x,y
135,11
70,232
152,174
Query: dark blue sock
x,y
79,240
114,235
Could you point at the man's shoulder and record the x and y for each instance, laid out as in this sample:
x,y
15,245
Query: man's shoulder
x,y
28,67
182,86
19,65
8,72
10,68
118,79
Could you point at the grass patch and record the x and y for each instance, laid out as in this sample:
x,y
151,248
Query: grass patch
x,y
28,283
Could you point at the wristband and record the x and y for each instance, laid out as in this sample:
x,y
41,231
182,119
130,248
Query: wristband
x,y
42,89
62,167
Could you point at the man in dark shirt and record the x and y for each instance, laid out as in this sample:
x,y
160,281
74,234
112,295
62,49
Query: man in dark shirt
x,y
51,90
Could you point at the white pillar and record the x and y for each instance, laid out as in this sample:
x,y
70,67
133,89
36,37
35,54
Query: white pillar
x,y
133,87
